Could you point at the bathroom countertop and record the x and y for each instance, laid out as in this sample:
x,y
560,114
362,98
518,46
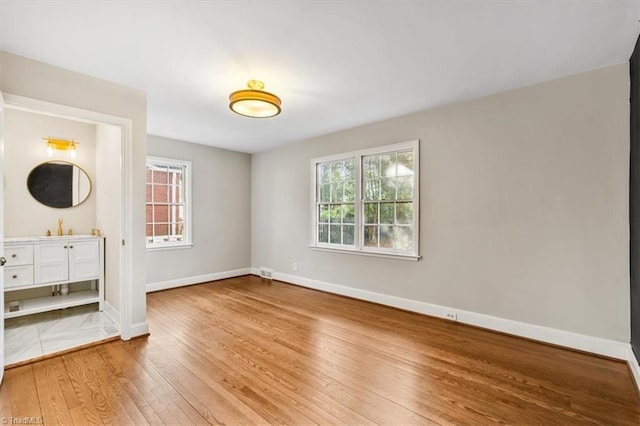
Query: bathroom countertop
x,y
52,238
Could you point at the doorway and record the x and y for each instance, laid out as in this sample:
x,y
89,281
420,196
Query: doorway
x,y
112,202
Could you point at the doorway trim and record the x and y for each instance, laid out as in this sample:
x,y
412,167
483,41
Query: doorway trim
x,y
12,101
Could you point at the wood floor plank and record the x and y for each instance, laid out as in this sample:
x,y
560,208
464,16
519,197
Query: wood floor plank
x,y
249,351
53,390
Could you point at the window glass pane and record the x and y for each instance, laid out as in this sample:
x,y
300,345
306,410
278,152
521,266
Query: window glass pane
x,y
149,192
371,213
349,192
336,171
371,167
371,236
372,189
388,164
348,215
161,229
323,213
405,163
336,192
388,190
404,238
405,188
349,170
334,234
347,234
160,213
335,213
160,176
323,233
149,214
149,174
386,236
149,230
386,213
160,193
404,213
324,173
325,193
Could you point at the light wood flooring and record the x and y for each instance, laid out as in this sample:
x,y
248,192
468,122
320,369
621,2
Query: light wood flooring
x,y
246,351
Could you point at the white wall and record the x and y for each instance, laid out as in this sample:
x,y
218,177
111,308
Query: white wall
x,y
524,206
108,205
37,80
221,193
24,149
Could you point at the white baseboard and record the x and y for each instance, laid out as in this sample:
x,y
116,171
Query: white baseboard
x,y
139,329
180,282
634,367
112,312
596,345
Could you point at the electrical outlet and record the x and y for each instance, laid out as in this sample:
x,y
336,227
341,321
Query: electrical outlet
x,y
295,266
452,316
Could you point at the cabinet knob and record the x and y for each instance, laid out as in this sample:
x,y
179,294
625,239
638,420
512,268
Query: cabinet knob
x,y
70,246
64,247
14,255
14,277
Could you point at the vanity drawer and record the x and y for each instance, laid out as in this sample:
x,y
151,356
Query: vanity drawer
x,y
18,255
18,276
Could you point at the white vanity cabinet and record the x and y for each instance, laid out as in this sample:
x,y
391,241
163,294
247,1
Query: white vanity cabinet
x,y
46,261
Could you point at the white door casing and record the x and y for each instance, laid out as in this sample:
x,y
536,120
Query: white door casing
x,y
125,255
1,239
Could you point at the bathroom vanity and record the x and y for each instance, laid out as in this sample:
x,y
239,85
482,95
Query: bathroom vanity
x,y
74,262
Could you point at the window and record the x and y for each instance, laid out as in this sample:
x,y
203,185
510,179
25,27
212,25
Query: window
x,y
168,203
367,201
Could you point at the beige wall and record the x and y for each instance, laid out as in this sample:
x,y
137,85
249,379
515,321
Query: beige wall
x,y
221,216
37,80
23,150
524,206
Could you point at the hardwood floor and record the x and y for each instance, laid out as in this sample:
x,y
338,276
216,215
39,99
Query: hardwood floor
x,y
246,351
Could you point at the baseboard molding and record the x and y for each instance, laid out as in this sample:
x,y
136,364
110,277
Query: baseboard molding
x,y
198,279
634,367
113,313
581,342
139,329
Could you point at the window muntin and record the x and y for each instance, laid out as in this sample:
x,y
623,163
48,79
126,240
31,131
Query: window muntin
x,y
367,201
167,209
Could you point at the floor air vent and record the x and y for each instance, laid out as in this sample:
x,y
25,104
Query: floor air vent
x,y
266,273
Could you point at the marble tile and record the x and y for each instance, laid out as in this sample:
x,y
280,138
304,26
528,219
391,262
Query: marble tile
x,y
21,343
35,335
68,339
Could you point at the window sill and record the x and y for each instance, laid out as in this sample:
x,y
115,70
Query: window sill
x,y
397,256
170,247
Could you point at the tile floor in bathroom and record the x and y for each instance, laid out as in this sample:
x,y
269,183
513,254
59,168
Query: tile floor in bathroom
x,y
32,336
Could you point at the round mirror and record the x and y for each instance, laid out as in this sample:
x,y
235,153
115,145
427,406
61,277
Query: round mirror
x,y
59,184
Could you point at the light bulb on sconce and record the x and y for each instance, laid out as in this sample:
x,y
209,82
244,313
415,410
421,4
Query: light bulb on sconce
x,y
61,145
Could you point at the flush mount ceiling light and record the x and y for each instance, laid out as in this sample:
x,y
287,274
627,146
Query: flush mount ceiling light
x,y
254,102
61,145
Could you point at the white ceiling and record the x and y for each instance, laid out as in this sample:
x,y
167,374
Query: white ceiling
x,y
335,64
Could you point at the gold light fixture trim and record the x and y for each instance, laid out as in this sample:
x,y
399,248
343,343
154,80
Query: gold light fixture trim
x,y
61,145
255,102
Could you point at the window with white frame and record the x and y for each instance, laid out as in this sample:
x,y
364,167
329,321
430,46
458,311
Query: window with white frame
x,y
168,200
367,201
